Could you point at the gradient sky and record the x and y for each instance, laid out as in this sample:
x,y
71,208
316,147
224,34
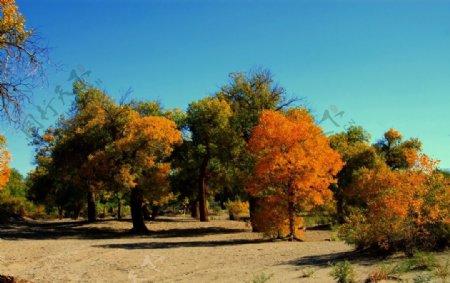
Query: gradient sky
x,y
384,63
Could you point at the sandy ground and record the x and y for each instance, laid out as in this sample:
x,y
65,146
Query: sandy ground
x,y
178,250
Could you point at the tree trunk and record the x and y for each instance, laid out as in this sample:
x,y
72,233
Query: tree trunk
x,y
155,211
292,231
77,212
340,206
92,213
145,212
202,191
252,201
119,208
136,200
195,209
60,213
291,221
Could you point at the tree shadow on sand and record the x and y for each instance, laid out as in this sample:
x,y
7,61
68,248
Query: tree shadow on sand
x,y
56,230
182,244
82,230
324,260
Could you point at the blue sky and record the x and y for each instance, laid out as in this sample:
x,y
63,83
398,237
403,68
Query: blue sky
x,y
384,63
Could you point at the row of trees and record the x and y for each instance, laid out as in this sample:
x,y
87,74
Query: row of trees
x,y
147,154
245,142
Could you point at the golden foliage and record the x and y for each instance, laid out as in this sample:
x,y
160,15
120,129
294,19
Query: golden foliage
x,y
12,23
238,209
4,162
149,139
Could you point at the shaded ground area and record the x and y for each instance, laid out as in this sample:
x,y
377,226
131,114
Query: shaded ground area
x,y
107,229
178,249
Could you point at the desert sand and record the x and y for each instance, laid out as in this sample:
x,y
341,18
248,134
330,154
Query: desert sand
x,y
179,249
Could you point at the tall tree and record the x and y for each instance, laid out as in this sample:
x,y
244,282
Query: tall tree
x,y
249,94
20,60
63,152
141,154
209,122
295,164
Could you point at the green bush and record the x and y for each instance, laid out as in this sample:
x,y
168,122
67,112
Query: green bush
x,y
261,278
11,206
442,271
343,272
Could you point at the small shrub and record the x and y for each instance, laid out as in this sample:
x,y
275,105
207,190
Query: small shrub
x,y
238,209
11,206
422,278
307,272
424,261
261,278
386,272
420,261
442,271
334,236
343,272
38,212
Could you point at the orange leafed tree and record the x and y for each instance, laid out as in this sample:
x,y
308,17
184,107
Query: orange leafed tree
x,y
294,166
400,209
4,162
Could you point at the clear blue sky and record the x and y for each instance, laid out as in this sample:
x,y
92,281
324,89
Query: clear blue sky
x,y
384,63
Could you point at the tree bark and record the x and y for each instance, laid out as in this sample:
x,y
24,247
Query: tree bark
x,y
195,209
291,220
155,212
253,205
77,212
340,206
202,190
60,212
293,235
119,208
145,212
92,212
136,200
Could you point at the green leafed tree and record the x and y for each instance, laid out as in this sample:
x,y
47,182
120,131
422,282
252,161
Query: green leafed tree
x,y
395,150
356,151
209,122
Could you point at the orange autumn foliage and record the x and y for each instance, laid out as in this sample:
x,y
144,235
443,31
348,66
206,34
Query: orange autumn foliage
x,y
4,162
272,218
402,209
294,167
